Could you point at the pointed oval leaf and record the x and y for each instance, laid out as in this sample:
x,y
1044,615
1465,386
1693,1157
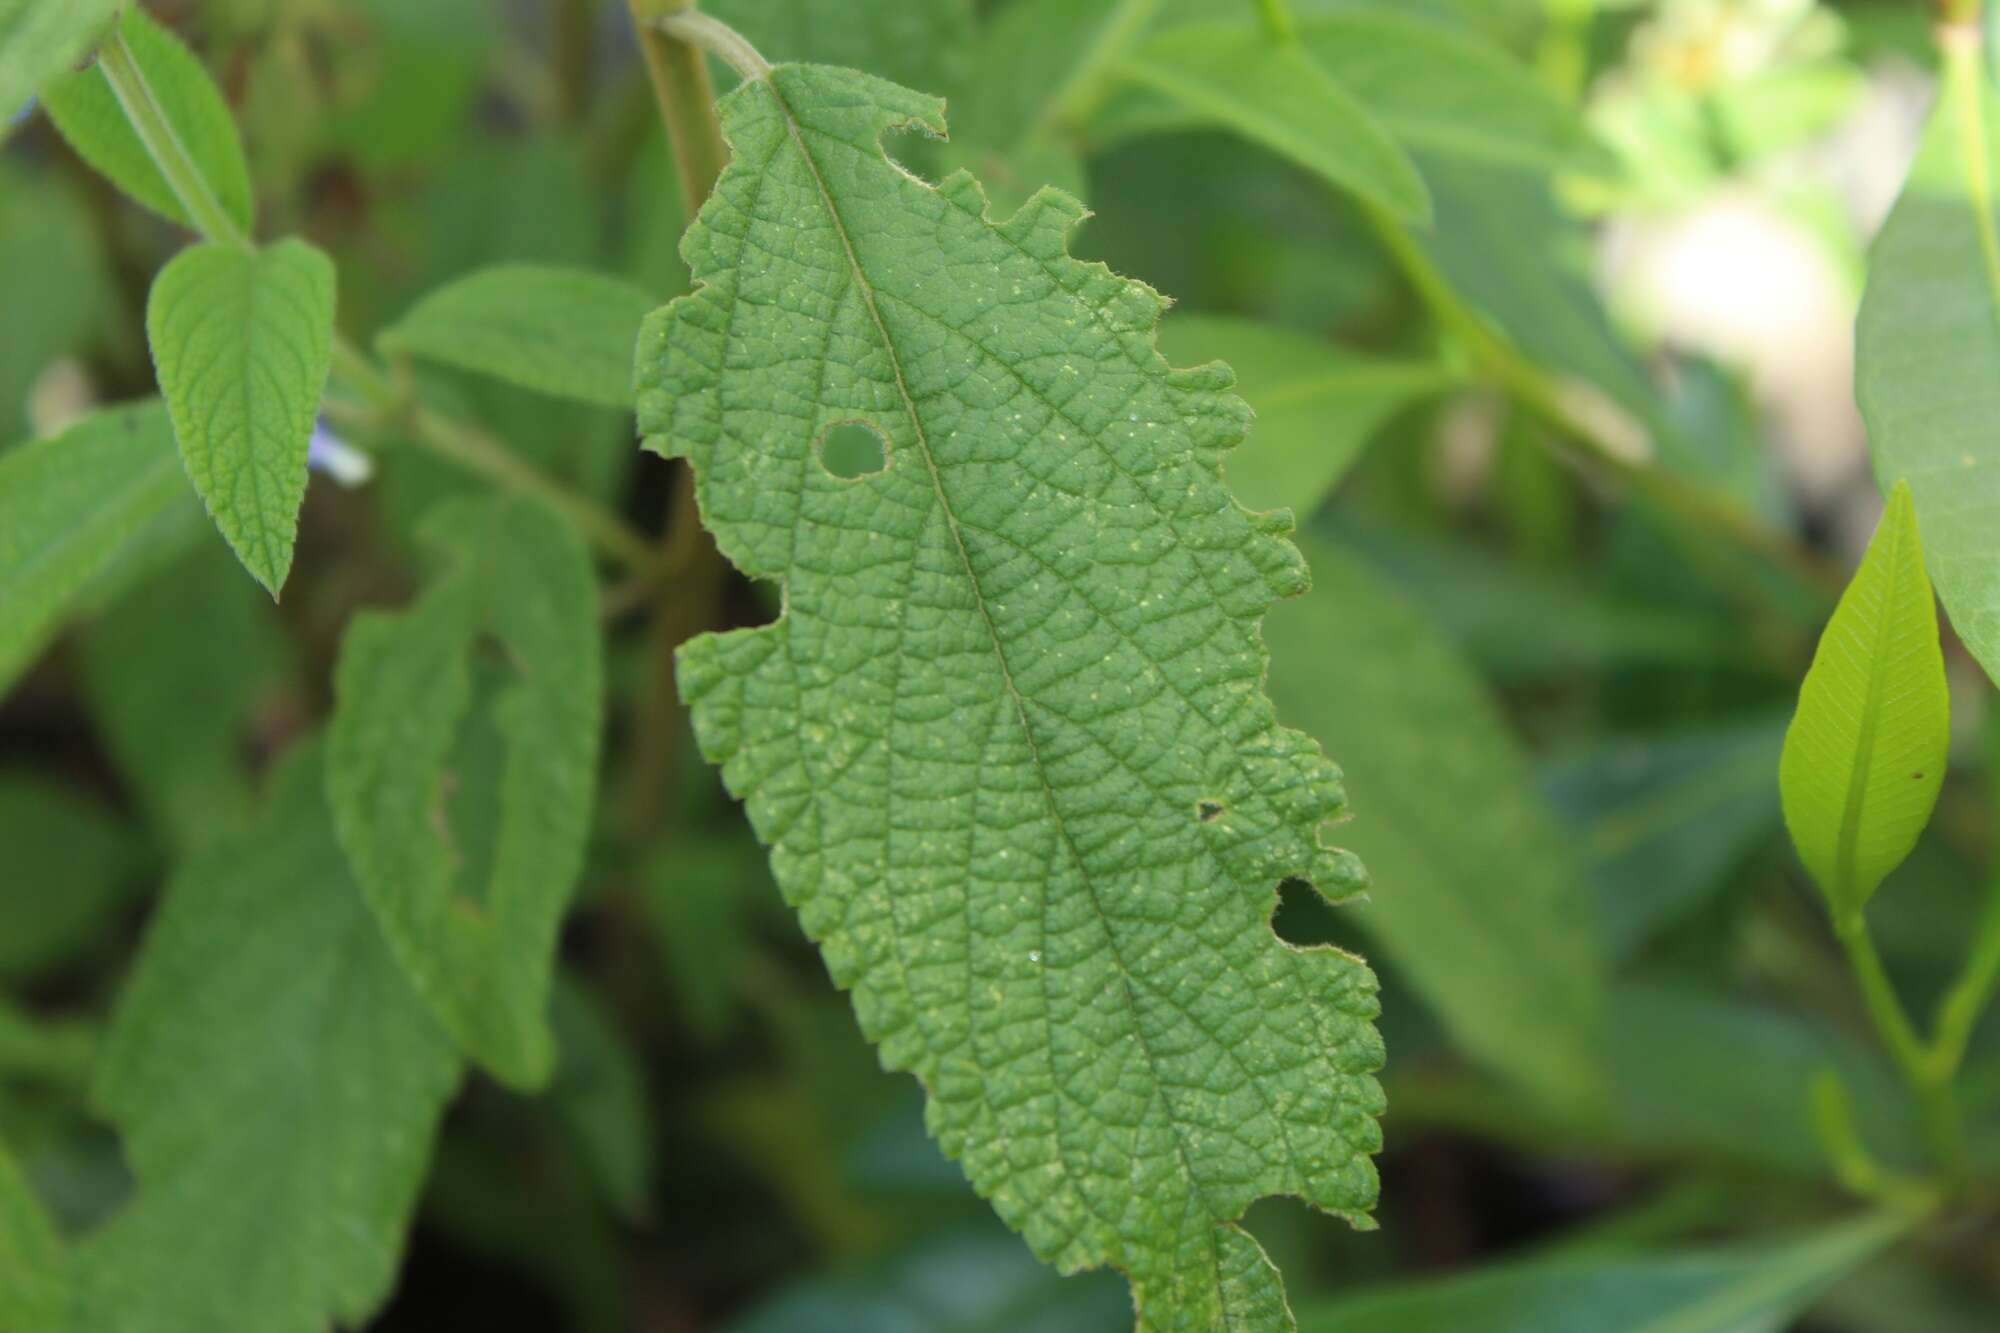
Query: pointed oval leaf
x,y
1278,95
462,779
242,342
69,505
1009,742
567,332
39,41
277,1084
1864,756
88,113
1927,352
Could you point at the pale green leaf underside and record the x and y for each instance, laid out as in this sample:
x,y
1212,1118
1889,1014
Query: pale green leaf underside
x,y
1009,743
1316,404
34,1281
1761,1288
1865,753
277,1084
68,506
462,765
567,332
88,114
1483,906
1927,357
1278,95
242,342
39,41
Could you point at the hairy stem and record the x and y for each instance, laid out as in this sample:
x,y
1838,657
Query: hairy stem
x,y
679,72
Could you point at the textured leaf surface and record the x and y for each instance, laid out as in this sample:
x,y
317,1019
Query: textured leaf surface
x,y
567,332
1864,756
1009,743
242,342
277,1084
68,506
1927,355
462,762
39,41
1317,404
1278,95
34,1284
1481,902
1748,1288
89,116
68,862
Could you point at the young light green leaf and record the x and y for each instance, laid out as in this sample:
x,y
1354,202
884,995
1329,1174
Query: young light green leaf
x,y
39,41
566,332
1278,95
1864,756
242,343
89,115
1317,404
68,506
69,863
277,1083
1741,1288
34,1263
1927,350
461,764
1008,742
1483,905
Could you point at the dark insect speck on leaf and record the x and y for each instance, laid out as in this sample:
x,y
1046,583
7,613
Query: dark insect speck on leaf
x,y
1207,810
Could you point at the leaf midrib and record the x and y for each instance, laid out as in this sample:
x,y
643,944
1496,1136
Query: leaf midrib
x,y
1857,779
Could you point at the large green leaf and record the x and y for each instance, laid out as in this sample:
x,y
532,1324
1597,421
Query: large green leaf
x,y
1864,757
1317,404
68,864
88,113
1759,1287
566,332
277,1083
177,673
1008,741
462,763
40,40
69,505
1927,352
34,1264
1481,901
1278,95
242,341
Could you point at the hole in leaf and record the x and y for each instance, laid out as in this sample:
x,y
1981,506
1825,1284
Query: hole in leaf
x,y
1304,918
852,450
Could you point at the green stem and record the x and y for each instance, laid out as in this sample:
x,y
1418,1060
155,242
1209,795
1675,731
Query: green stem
x,y
1958,1012
1543,396
679,73
149,121
1278,20
1937,1104
1084,87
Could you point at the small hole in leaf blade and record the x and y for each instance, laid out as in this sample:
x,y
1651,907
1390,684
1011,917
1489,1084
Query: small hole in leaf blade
x,y
852,450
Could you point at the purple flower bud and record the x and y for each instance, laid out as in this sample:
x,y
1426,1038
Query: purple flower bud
x,y
328,453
